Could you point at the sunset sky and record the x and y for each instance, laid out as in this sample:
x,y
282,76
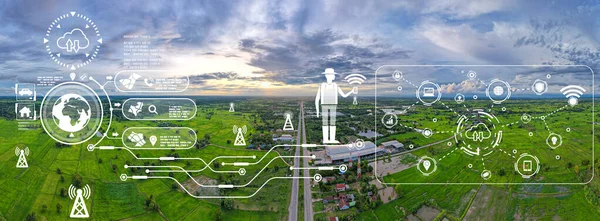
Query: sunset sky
x,y
281,47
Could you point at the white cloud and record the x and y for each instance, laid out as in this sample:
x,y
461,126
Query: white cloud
x,y
460,9
495,46
464,86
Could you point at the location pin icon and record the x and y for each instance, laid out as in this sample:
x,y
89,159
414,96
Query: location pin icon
x,y
153,140
426,163
72,76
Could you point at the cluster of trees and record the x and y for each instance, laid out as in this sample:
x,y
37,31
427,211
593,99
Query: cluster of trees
x,y
205,141
258,140
151,204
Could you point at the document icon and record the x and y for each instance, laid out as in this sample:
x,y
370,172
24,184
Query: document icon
x,y
527,165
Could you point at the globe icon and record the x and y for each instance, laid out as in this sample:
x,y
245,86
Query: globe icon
x,y
71,113
498,90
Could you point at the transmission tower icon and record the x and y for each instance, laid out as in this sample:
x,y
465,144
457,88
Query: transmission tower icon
x,y
21,153
288,126
79,209
231,107
239,135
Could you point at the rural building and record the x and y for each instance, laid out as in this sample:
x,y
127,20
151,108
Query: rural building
x,y
340,187
343,205
341,154
328,179
393,144
284,138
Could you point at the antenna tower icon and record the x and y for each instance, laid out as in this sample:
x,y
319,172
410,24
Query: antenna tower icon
x,y
22,162
288,126
239,135
79,209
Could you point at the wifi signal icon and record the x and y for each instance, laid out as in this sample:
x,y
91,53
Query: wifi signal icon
x,y
355,79
572,93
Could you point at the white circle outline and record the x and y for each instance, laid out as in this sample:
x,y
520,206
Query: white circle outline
x,y
474,74
424,133
343,168
537,164
93,54
318,177
359,144
487,91
559,139
432,161
389,114
545,87
572,101
459,101
399,78
526,120
101,112
437,88
488,172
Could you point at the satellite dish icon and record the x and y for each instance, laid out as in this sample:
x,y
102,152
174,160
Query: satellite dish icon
x,y
22,153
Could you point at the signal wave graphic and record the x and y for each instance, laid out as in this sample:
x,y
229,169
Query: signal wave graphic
x,y
355,79
572,91
73,192
25,151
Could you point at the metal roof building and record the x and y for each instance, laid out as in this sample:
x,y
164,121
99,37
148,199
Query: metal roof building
x,y
393,143
343,153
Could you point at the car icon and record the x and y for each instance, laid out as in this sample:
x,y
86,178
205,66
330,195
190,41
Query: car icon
x,y
25,91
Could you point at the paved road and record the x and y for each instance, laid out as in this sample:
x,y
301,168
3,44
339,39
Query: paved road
x,y
308,209
293,209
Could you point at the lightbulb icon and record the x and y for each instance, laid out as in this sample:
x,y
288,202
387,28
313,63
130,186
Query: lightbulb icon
x,y
554,140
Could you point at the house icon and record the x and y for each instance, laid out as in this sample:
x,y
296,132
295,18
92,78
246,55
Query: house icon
x,y
25,112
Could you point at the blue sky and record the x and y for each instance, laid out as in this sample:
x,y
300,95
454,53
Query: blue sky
x,y
281,47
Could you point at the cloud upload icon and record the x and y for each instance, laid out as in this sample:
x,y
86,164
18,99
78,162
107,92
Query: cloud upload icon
x,y
73,40
479,132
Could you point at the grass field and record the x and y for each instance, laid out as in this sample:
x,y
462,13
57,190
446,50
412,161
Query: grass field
x,y
37,189
501,202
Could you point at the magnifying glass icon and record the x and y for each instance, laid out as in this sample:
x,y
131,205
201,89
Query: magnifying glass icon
x,y
152,109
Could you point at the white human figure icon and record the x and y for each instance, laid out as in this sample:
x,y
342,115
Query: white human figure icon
x,y
327,98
